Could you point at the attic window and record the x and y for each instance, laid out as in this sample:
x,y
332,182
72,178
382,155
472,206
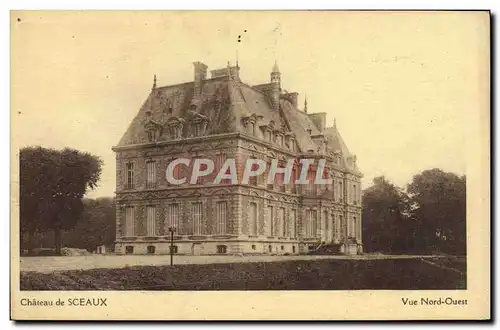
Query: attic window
x,y
151,135
197,129
176,132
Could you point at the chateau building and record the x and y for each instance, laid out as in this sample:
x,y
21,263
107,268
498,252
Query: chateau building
x,y
221,117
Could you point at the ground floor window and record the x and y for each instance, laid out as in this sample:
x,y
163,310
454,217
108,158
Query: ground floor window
x,y
221,249
129,249
173,249
293,249
151,249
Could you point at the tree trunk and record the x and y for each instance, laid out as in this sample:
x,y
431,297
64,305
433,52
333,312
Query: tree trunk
x,y
57,240
29,243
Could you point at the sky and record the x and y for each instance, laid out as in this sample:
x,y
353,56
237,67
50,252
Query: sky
x,y
401,86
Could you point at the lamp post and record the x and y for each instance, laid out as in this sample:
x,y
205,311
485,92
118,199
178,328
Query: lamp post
x,y
171,230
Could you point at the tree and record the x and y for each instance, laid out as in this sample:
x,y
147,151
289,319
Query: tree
x,y
97,226
386,225
439,211
52,185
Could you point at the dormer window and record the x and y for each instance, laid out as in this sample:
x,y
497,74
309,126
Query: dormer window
x,y
197,130
198,124
177,132
175,126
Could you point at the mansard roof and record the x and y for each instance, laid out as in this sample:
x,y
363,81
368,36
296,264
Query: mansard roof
x,y
224,101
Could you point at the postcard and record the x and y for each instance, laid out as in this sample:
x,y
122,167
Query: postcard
x,y
250,165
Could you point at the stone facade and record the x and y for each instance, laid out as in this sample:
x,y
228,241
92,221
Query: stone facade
x,y
222,118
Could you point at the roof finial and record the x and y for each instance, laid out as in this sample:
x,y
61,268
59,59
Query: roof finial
x,y
275,67
305,103
154,82
334,122
237,65
229,74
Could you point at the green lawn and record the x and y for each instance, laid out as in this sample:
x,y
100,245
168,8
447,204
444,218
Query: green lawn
x,y
327,274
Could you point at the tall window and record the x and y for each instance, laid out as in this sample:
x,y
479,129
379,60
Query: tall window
x,y
221,217
349,225
129,221
313,223
130,175
281,222
271,221
341,225
341,192
152,135
308,224
151,221
151,174
196,212
327,225
177,170
173,216
334,227
293,223
354,194
252,216
253,179
334,189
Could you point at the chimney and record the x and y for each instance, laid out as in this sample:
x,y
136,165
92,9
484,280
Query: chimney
x,y
200,74
275,86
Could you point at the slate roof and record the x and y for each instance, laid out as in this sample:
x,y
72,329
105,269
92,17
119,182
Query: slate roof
x,y
225,101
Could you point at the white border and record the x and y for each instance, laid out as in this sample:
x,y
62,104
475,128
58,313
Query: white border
x,y
185,4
